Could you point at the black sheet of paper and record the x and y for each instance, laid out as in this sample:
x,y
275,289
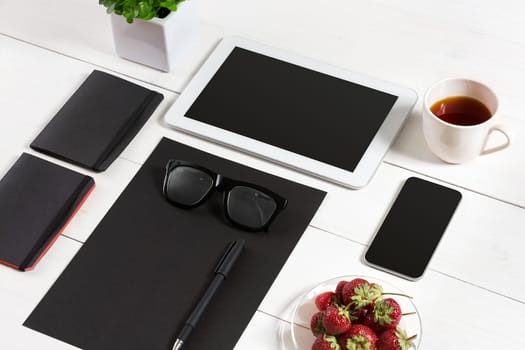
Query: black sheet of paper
x,y
139,275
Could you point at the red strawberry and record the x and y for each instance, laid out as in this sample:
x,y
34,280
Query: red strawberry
x,y
339,289
316,324
395,339
325,342
324,299
336,320
359,337
361,293
385,314
369,321
359,315
347,289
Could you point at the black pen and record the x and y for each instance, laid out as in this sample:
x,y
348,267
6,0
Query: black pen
x,y
221,273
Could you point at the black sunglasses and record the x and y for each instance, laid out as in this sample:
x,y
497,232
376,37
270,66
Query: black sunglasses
x,y
248,206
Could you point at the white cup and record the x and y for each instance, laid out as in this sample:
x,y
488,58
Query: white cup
x,y
455,143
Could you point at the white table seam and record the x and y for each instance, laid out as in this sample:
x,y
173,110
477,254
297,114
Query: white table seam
x,y
278,318
131,161
455,185
478,286
73,239
90,63
429,268
338,235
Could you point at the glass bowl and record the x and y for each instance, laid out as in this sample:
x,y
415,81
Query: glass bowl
x,y
299,336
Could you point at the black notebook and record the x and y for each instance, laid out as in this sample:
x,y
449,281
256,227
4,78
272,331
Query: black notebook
x,y
37,200
98,121
142,271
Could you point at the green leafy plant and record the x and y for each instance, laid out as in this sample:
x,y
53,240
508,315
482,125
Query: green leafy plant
x,y
143,9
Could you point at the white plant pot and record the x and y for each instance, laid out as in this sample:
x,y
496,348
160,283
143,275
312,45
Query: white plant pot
x,y
158,42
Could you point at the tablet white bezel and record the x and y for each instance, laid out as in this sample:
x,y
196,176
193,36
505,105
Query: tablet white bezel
x,y
368,163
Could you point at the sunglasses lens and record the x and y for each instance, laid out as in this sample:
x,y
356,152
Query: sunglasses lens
x,y
188,186
250,207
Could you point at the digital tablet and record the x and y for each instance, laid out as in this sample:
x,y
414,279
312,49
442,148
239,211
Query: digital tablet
x,y
323,120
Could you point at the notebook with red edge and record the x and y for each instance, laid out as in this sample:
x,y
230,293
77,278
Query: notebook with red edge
x,y
37,200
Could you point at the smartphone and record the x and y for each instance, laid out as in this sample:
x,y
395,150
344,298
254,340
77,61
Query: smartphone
x,y
412,229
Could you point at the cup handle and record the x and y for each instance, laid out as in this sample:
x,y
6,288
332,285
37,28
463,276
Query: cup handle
x,y
502,129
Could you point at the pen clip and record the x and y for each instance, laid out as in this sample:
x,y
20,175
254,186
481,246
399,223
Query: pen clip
x,y
229,257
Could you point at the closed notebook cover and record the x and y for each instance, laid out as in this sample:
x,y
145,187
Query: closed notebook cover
x,y
37,199
98,121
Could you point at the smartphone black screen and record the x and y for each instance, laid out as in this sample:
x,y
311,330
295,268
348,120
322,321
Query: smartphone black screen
x,y
413,228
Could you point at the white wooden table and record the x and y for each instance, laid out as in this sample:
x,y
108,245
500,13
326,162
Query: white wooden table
x,y
472,296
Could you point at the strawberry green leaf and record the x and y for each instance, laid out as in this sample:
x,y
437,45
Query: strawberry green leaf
x,y
403,340
358,342
365,294
382,312
332,341
343,311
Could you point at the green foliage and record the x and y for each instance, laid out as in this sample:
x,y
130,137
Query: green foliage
x,y
143,9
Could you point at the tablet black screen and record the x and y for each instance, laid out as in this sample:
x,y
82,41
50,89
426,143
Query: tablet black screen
x,y
303,111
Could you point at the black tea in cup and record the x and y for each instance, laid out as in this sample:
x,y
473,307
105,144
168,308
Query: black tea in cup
x,y
461,110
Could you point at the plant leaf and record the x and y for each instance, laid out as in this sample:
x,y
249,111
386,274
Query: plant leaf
x,y
144,9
